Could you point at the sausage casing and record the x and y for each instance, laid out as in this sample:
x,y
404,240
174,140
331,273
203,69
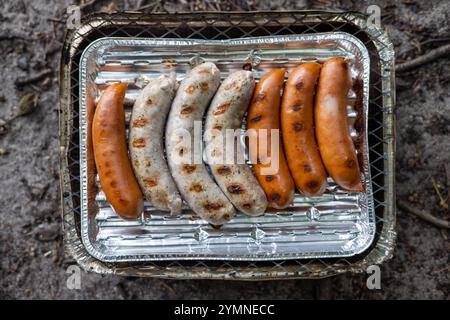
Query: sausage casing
x,y
297,126
332,131
195,184
225,114
264,114
147,125
111,155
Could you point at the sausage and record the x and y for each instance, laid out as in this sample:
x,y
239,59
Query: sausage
x,y
299,140
225,113
188,170
91,170
111,155
332,131
147,124
264,114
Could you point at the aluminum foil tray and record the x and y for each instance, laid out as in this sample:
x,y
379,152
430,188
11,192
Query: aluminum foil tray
x,y
337,224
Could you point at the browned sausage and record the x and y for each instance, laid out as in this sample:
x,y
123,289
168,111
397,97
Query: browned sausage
x,y
264,114
111,155
91,170
333,137
297,127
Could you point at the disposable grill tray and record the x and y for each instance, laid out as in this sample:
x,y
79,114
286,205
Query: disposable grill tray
x,y
299,260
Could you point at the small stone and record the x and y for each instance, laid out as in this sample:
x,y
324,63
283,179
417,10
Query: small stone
x,y
22,63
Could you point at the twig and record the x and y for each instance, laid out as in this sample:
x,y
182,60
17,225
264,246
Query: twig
x,y
146,6
441,223
421,44
56,20
37,77
421,60
87,4
15,36
442,200
165,285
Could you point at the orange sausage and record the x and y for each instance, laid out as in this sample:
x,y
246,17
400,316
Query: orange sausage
x,y
264,114
111,154
333,136
298,131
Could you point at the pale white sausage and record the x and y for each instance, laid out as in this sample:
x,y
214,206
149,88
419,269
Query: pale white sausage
x,y
146,145
195,184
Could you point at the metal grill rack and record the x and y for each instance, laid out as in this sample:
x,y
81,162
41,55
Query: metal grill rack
x,y
225,25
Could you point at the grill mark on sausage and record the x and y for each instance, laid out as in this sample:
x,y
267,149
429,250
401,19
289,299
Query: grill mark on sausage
x,y
161,196
204,86
299,85
196,187
307,168
139,122
256,118
349,163
275,197
298,126
213,206
150,182
269,178
185,109
139,143
189,168
247,206
260,97
203,71
312,184
223,170
190,89
221,109
235,189
297,107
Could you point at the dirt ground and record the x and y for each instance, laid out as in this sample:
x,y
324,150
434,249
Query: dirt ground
x,y
33,264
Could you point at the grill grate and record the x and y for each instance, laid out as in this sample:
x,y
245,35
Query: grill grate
x,y
228,26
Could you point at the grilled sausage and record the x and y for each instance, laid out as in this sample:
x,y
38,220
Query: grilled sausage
x,y
147,124
111,154
264,114
297,127
333,137
90,165
183,142
225,114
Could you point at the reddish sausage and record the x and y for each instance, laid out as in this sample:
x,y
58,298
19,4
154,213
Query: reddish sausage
x,y
332,131
111,154
298,131
264,114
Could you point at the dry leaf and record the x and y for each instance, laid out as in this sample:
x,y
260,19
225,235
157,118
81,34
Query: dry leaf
x,y
27,104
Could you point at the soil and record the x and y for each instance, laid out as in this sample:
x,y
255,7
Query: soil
x,y
33,263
